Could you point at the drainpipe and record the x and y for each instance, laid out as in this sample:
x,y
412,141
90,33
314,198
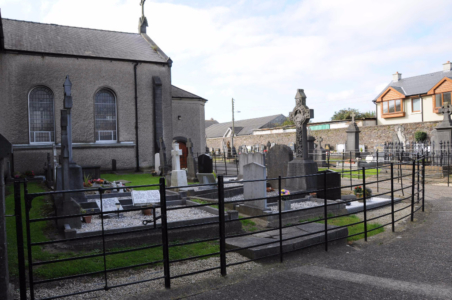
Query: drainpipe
x,y
422,108
376,113
137,152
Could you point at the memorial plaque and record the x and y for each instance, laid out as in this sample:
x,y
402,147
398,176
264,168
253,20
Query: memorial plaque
x,y
145,197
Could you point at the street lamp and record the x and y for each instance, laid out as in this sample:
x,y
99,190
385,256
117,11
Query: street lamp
x,y
233,129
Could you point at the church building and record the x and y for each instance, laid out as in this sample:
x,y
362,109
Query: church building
x,y
123,97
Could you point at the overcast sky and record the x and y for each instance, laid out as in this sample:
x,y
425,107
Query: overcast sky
x,y
341,52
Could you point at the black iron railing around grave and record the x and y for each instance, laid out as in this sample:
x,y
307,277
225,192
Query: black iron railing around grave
x,y
390,186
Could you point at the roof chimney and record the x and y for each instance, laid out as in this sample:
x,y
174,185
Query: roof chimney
x,y
396,77
447,67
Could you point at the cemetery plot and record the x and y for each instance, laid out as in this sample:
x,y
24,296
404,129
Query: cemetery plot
x,y
136,218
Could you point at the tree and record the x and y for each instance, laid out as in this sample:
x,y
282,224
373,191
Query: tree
x,y
345,114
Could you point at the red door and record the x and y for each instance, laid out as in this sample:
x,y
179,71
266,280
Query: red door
x,y
183,157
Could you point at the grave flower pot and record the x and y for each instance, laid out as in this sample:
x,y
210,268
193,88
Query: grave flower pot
x,y
87,219
358,196
147,211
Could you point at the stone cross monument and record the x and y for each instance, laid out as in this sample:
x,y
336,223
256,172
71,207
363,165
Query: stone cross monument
x,y
444,129
68,106
302,164
191,163
175,154
352,143
178,176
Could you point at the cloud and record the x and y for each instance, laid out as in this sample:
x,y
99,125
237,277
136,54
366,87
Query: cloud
x,y
341,51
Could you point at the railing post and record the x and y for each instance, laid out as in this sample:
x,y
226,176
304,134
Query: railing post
x,y
418,177
392,197
221,225
325,210
30,255
329,156
378,184
343,158
103,238
165,244
423,183
365,204
351,188
225,164
413,178
20,241
215,159
280,221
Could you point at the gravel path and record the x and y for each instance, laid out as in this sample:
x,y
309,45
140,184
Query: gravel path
x,y
90,283
136,218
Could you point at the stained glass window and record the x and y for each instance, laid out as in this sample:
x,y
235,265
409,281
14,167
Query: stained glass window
x,y
105,116
41,115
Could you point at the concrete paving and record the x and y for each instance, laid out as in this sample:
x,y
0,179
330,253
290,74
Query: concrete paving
x,y
415,262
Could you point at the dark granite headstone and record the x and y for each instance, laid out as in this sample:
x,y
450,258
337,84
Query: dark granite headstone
x,y
205,164
277,159
333,185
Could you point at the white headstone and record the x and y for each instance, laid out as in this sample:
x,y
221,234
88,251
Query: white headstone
x,y
257,189
340,148
157,163
179,178
108,204
145,197
175,154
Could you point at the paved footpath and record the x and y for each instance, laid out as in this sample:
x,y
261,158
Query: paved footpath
x,y
413,263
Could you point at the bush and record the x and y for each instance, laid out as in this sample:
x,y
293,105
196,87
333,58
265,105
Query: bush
x,y
420,136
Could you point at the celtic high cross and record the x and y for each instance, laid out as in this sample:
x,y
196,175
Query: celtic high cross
x,y
301,115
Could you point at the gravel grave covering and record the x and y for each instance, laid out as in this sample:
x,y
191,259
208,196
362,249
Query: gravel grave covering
x,y
123,277
135,218
299,205
241,197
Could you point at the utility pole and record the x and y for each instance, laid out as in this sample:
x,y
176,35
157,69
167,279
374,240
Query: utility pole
x,y
233,131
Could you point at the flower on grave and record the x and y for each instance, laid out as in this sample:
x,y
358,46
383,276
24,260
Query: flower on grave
x,y
285,192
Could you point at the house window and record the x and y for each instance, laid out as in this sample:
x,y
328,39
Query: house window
x,y
41,116
105,116
442,99
392,106
416,105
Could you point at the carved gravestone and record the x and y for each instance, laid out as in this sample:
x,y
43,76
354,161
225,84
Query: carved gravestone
x,y
178,176
301,165
191,163
205,164
277,159
5,151
246,158
352,143
257,189
444,129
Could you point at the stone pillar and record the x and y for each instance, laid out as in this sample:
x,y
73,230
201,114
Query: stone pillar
x,y
5,290
302,164
352,143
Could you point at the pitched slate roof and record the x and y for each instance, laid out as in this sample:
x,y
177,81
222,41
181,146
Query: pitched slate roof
x,y
244,127
180,93
66,40
210,123
418,84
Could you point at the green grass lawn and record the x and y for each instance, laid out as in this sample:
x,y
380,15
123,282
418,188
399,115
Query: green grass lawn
x,y
39,232
205,202
135,179
353,229
355,173
248,225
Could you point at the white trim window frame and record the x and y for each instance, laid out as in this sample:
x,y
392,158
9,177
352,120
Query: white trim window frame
x,y
41,116
104,130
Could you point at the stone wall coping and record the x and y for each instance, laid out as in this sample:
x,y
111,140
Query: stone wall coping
x,y
75,145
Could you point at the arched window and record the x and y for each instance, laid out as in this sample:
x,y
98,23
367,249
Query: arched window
x,y
105,116
41,115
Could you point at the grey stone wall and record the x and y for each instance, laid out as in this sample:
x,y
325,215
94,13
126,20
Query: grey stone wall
x,y
192,122
370,136
19,74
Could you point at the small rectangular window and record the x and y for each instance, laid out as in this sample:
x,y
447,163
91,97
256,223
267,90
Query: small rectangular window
x,y
391,106
446,98
438,100
385,107
398,105
416,105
